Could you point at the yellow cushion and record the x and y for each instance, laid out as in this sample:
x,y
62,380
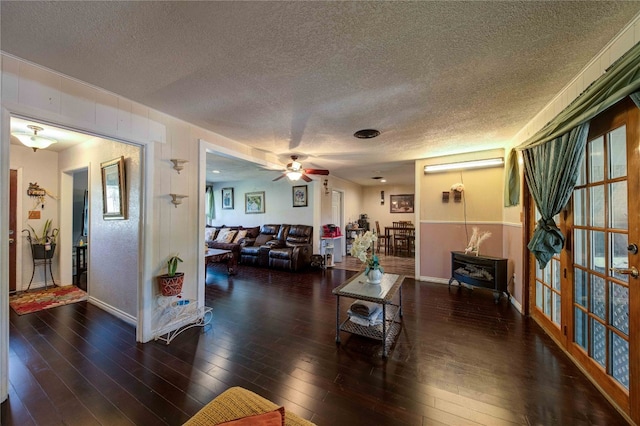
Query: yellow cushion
x,y
238,402
239,236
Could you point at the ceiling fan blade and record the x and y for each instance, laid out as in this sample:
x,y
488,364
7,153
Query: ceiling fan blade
x,y
279,177
305,178
316,172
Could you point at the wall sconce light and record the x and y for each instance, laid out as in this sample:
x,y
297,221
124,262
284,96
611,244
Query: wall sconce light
x,y
177,199
382,198
445,196
325,183
474,164
178,164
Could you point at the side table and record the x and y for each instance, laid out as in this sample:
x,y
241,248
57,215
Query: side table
x,y
383,293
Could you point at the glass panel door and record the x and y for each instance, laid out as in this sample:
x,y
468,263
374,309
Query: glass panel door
x,y
600,234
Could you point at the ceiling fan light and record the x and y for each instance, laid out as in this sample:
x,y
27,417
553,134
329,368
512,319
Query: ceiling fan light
x,y
34,141
294,175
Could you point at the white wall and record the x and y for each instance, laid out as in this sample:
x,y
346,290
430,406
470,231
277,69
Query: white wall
x,y
114,245
39,167
278,203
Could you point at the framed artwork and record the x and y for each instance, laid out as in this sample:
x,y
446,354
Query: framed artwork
x,y
227,198
401,203
254,202
300,196
114,194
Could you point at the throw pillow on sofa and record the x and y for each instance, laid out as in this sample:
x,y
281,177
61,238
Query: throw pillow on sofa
x,y
225,236
240,236
210,234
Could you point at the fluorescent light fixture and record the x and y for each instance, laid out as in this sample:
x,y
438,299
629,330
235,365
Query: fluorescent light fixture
x,y
474,164
34,141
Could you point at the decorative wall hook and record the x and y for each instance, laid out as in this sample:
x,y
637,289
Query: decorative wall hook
x,y
177,199
178,164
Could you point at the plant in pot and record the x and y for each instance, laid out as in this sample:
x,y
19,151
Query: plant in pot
x,y
43,243
171,282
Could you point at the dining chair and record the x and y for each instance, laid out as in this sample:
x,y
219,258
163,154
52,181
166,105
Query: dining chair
x,y
382,239
401,237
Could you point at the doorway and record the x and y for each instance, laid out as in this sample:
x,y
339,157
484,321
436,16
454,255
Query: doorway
x,y
80,227
13,231
588,296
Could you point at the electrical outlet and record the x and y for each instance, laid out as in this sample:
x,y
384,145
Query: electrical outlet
x,y
514,277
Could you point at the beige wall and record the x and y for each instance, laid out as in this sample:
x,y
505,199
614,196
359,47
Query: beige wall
x,y
382,213
39,167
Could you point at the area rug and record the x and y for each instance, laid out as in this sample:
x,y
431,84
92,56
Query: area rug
x,y
34,301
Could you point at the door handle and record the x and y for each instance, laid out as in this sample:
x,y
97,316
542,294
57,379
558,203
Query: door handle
x,y
11,240
633,271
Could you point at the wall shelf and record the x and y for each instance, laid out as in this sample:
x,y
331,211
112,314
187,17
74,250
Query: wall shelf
x,y
177,199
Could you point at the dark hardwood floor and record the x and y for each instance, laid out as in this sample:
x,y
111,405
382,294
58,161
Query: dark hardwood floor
x,y
459,360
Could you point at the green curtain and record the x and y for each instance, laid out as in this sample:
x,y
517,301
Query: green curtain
x,y
512,180
620,80
635,97
551,170
209,207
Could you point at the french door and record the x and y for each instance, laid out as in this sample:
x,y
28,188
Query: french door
x,y
588,296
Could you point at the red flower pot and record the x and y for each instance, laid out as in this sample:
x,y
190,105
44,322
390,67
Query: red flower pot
x,y
171,286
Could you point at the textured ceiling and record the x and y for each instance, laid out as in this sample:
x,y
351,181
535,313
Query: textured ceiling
x,y
433,77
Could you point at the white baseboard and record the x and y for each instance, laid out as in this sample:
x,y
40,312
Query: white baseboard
x,y
434,280
114,311
445,281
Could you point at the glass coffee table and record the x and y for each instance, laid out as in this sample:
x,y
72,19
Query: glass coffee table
x,y
383,293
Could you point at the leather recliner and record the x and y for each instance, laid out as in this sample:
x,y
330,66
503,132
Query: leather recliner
x,y
296,254
256,252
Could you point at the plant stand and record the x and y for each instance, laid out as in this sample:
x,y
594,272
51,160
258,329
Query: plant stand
x,y
179,316
42,257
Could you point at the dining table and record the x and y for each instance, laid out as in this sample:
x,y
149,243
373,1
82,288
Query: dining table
x,y
389,232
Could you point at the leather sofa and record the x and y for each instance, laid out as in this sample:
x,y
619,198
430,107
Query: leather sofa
x,y
297,250
256,251
241,237
283,246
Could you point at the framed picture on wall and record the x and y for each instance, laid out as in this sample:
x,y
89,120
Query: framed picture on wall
x,y
114,194
254,202
300,196
401,203
227,198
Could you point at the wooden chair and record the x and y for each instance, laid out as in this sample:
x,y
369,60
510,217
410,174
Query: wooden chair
x,y
401,237
382,239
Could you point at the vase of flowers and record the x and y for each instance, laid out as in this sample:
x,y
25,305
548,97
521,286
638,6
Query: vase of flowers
x,y
362,248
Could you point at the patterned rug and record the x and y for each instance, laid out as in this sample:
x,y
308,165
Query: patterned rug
x,y
34,301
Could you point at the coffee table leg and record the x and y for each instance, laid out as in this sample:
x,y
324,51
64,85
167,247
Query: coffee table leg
x,y
232,264
337,319
384,330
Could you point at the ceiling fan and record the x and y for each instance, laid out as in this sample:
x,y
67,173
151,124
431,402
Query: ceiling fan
x,y
295,171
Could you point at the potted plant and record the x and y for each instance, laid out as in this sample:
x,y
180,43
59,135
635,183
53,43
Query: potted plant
x,y
171,282
43,244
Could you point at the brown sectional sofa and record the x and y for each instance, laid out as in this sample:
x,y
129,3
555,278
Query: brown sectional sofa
x,y
239,237
279,246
